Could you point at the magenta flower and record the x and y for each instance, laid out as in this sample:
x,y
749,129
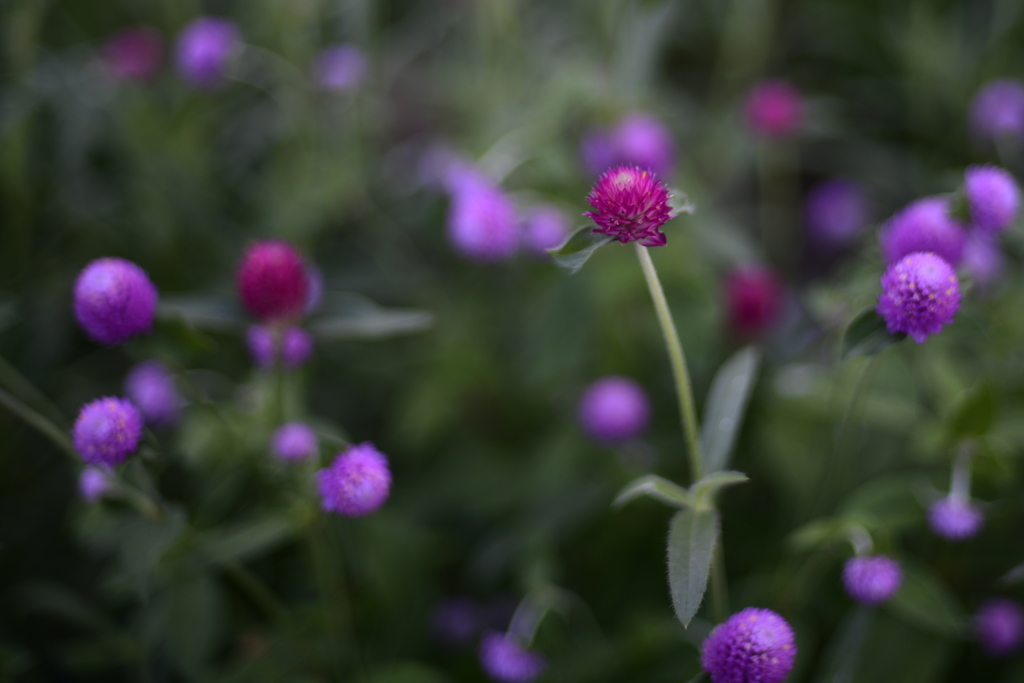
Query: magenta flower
x,y
955,519
751,645
134,54
546,228
504,659
998,110
999,626
993,197
94,483
107,431
872,580
482,222
356,483
114,300
339,68
774,109
754,296
614,409
835,211
272,281
203,50
924,225
920,294
294,441
150,387
630,205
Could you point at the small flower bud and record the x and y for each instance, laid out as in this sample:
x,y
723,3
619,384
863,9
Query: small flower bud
x,y
924,225
774,109
999,626
107,431
955,519
272,281
644,142
294,441
614,409
998,110
754,297
993,198
834,212
920,294
114,300
481,219
630,205
872,580
150,387
751,645
296,346
203,50
504,659
133,54
94,483
339,68
356,483
546,228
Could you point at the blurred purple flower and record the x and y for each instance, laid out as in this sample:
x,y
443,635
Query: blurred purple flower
x,y
546,228
999,626
955,519
260,340
872,580
134,54
983,260
998,110
339,68
637,139
482,223
294,441
920,294
504,659
203,50
774,109
754,296
835,211
114,300
356,483
296,347
993,198
630,205
107,430
272,281
751,645
614,408
924,225
94,483
151,388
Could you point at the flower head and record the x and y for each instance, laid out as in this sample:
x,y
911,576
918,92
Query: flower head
x,y
272,281
546,228
955,519
150,387
751,645
630,205
924,225
774,109
920,294
107,431
993,197
643,141
505,660
999,626
356,483
296,346
114,300
203,50
133,54
94,483
339,68
294,441
754,300
872,580
835,211
614,409
998,109
983,260
481,219
262,346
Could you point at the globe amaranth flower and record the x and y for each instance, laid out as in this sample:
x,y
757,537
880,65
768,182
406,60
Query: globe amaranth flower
x,y
872,580
272,281
482,221
504,659
133,54
637,139
924,225
356,483
94,483
998,110
204,49
630,205
983,260
774,109
114,300
614,409
456,621
292,345
339,68
107,431
993,198
835,211
150,387
999,626
753,297
955,519
920,294
546,228
294,441
751,645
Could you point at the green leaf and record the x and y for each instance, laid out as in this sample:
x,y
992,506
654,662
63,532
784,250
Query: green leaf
x,y
703,491
815,533
218,313
727,402
346,315
924,601
973,413
195,622
656,487
691,540
845,651
867,336
247,540
578,248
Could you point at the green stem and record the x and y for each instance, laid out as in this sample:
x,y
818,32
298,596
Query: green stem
x,y
329,575
687,411
719,586
41,424
18,384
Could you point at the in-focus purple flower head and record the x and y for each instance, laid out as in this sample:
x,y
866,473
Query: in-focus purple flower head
x,y
835,211
504,659
482,220
923,225
204,48
998,110
614,409
630,205
754,298
94,483
134,54
752,645
339,68
774,109
872,580
993,198
637,139
294,441
999,626
114,300
356,483
107,431
546,228
920,294
955,519
456,621
983,260
150,387
272,281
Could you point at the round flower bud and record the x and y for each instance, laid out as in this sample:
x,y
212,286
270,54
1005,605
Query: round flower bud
x,y
150,387
751,645
481,219
644,142
834,212
993,197
920,294
872,580
546,229
614,409
296,346
630,205
999,626
114,300
133,54
339,68
260,340
504,659
107,431
998,110
924,225
456,621
754,300
955,519
294,441
203,50
774,109
94,483
356,483
983,260
272,281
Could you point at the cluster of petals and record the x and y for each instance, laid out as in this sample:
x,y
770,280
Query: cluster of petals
x,y
752,645
923,226
920,294
955,519
614,409
356,483
114,300
999,626
107,431
506,660
637,139
272,281
872,580
630,205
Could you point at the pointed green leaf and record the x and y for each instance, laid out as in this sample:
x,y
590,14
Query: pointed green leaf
x,y
655,487
578,248
867,336
346,315
691,541
727,403
703,491
847,647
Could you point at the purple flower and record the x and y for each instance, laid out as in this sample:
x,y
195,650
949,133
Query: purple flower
x,y
835,211
356,483
614,409
107,431
919,295
272,281
94,483
134,54
754,297
114,300
504,659
151,388
339,68
630,205
203,50
924,225
872,580
983,260
751,645
597,151
999,626
481,219
774,109
993,197
296,346
955,519
546,229
455,621
260,340
638,140
998,109
294,441
292,345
